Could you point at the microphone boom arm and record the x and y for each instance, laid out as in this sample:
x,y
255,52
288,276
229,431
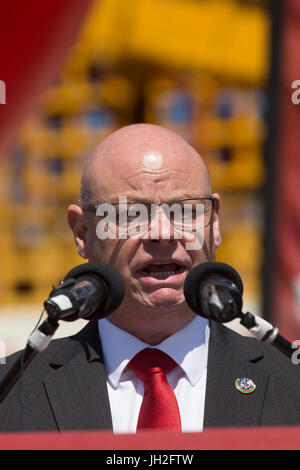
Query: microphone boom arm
x,y
37,342
266,332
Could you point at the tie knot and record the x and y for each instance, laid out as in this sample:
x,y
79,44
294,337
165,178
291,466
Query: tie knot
x,y
149,361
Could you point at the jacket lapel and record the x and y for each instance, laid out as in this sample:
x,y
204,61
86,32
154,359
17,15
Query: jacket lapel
x,y
76,387
230,358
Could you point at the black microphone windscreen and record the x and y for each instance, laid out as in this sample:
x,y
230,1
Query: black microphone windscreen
x,y
202,271
111,277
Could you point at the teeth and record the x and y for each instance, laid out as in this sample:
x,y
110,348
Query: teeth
x,y
162,275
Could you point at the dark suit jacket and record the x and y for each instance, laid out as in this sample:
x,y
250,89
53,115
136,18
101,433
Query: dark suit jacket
x,y
64,388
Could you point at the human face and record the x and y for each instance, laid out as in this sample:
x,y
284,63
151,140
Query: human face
x,y
154,305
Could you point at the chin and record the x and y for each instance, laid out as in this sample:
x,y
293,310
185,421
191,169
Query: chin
x,y
165,299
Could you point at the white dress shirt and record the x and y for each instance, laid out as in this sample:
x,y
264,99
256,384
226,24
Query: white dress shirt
x,y
188,347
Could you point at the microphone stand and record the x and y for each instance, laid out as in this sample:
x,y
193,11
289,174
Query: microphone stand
x,y
222,301
39,339
264,331
37,342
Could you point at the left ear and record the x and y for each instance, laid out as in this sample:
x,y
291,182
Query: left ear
x,y
216,221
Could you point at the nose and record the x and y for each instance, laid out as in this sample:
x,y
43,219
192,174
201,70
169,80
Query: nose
x,y
160,228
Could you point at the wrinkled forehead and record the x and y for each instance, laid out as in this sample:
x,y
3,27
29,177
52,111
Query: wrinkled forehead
x,y
141,164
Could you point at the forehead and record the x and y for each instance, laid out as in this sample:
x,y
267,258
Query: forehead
x,y
164,167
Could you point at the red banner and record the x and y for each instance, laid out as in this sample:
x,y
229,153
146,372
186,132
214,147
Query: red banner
x,y
35,37
262,438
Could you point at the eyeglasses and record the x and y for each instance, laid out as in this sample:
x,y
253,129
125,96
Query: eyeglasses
x,y
130,218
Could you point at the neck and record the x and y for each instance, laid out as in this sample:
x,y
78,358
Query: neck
x,y
152,327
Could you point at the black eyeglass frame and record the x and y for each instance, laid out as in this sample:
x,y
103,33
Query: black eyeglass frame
x,y
93,207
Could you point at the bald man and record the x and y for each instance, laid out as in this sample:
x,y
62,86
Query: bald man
x,y
88,381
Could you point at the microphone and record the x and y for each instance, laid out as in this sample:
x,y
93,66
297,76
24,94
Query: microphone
x,y
90,291
214,290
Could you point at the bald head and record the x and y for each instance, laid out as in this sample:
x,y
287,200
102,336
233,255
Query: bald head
x,y
137,151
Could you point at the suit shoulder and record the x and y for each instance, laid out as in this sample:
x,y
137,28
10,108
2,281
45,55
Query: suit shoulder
x,y
267,355
40,360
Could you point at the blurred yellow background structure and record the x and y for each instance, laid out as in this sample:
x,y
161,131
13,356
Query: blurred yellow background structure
x,y
199,67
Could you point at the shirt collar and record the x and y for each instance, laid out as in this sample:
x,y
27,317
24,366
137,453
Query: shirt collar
x,y
188,347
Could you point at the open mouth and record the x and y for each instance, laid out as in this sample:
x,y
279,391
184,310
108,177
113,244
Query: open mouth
x,y
162,271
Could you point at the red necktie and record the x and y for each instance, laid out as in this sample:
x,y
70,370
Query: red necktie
x,y
159,407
